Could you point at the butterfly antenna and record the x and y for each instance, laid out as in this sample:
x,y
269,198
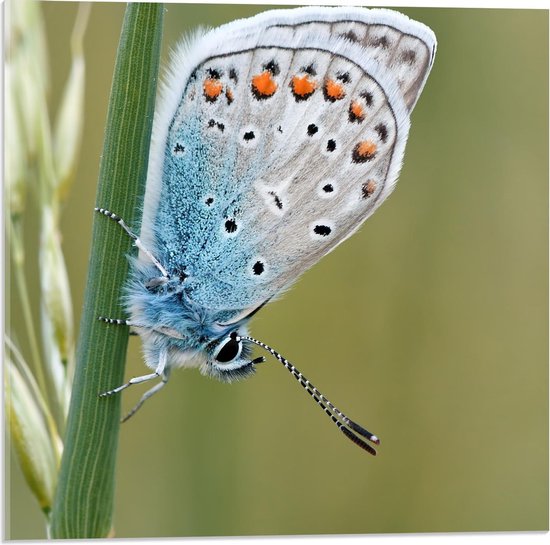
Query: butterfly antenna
x,y
344,424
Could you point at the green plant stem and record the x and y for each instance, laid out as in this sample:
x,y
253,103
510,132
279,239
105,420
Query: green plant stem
x,y
83,502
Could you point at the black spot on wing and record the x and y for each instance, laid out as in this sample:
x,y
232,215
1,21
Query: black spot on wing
x,y
230,226
258,268
312,129
272,67
382,131
323,230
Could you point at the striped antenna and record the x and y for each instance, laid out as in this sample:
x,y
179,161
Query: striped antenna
x,y
344,424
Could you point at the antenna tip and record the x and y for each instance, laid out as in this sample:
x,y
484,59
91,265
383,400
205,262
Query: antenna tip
x,y
375,440
255,361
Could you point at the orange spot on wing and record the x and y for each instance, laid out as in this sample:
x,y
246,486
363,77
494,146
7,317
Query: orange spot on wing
x,y
357,111
367,147
212,88
334,90
264,85
303,87
369,187
364,151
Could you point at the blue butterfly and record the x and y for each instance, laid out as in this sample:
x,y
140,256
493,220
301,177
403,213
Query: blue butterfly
x,y
275,138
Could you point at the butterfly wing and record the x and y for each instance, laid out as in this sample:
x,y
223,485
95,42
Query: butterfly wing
x,y
277,136
405,47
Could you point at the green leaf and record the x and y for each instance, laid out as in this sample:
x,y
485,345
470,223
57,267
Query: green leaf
x,y
83,502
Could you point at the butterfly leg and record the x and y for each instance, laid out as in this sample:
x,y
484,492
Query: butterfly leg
x,y
148,394
144,378
117,321
136,240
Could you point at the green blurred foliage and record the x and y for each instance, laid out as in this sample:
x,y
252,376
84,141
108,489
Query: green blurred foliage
x,y
429,326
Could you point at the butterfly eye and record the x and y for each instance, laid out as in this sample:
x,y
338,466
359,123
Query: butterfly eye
x,y
228,349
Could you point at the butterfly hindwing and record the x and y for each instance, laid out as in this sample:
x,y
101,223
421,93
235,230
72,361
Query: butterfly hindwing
x,y
280,145
404,47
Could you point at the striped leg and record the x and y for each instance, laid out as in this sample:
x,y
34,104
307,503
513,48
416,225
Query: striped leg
x,y
148,394
118,321
137,241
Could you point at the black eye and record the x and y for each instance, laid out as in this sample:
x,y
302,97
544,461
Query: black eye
x,y
229,350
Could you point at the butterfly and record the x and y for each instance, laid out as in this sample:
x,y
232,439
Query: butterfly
x,y
274,139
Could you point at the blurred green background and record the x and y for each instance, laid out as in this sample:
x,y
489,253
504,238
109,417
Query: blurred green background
x,y
429,326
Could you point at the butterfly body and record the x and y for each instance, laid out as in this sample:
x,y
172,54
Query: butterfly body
x,y
275,138
169,321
